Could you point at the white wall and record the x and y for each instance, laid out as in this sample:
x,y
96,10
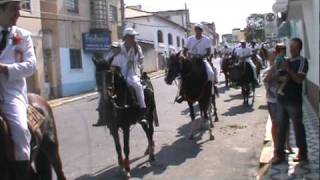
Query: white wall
x,y
74,81
149,33
308,30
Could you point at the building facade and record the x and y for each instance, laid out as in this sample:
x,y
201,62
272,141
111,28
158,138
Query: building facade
x,y
31,21
227,38
72,31
164,35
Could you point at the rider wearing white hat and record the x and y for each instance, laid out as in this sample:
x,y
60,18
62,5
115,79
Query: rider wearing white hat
x,y
130,61
243,52
17,61
200,45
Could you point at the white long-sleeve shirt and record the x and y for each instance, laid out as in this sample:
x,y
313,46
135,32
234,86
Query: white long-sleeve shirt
x,y
13,86
129,62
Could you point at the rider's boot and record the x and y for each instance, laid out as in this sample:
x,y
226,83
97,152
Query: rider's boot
x,y
142,113
22,170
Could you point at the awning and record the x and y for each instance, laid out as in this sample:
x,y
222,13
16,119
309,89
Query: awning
x,y
280,6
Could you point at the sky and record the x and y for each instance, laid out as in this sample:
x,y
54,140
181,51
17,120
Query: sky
x,y
226,14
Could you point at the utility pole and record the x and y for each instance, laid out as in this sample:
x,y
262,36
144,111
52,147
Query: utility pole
x,y
188,18
122,9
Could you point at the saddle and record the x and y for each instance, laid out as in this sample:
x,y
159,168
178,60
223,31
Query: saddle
x,y
35,120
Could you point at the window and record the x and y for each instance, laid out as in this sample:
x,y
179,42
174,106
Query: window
x,y
178,41
72,5
170,39
75,59
26,5
182,42
113,14
160,37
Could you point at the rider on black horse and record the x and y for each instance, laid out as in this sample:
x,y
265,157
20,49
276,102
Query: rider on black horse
x,y
199,46
244,53
129,60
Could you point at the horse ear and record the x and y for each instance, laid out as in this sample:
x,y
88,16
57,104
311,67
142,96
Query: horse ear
x,y
178,54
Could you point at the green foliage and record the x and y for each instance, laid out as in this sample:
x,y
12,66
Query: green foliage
x,y
255,28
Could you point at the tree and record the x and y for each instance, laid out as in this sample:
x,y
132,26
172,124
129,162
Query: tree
x,y
255,28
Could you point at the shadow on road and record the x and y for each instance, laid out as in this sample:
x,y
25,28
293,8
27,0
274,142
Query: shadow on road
x,y
173,154
234,97
222,89
235,110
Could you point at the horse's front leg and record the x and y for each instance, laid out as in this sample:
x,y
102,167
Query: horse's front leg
x,y
115,135
207,118
149,130
192,115
126,148
216,119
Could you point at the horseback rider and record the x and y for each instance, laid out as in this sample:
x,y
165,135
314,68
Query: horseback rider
x,y
17,61
199,46
130,61
244,54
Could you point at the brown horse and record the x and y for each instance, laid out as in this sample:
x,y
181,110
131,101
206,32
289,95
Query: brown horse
x,y
44,145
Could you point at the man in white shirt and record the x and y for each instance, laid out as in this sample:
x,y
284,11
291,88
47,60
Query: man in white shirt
x,y
17,61
245,53
130,60
199,46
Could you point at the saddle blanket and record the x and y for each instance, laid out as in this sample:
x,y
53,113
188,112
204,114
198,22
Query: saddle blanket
x,y
35,118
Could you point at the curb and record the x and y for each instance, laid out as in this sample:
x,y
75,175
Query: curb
x,y
61,101
266,152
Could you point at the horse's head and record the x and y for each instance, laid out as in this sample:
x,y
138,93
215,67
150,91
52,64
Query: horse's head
x,y
173,68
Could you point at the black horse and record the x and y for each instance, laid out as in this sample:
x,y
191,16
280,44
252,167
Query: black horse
x,y
242,75
44,144
226,66
195,86
122,111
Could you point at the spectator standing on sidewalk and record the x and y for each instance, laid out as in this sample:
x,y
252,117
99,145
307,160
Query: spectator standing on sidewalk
x,y
270,81
289,105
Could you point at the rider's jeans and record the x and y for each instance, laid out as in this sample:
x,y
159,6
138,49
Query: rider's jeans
x,y
135,83
254,68
16,114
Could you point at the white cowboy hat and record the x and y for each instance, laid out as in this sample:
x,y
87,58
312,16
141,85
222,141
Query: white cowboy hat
x,y
130,31
198,25
7,1
243,41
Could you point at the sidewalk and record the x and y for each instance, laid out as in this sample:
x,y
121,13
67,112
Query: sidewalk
x,y
60,101
291,170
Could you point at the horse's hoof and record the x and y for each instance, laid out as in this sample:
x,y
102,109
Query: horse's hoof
x,y
128,175
191,137
211,138
152,158
216,119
